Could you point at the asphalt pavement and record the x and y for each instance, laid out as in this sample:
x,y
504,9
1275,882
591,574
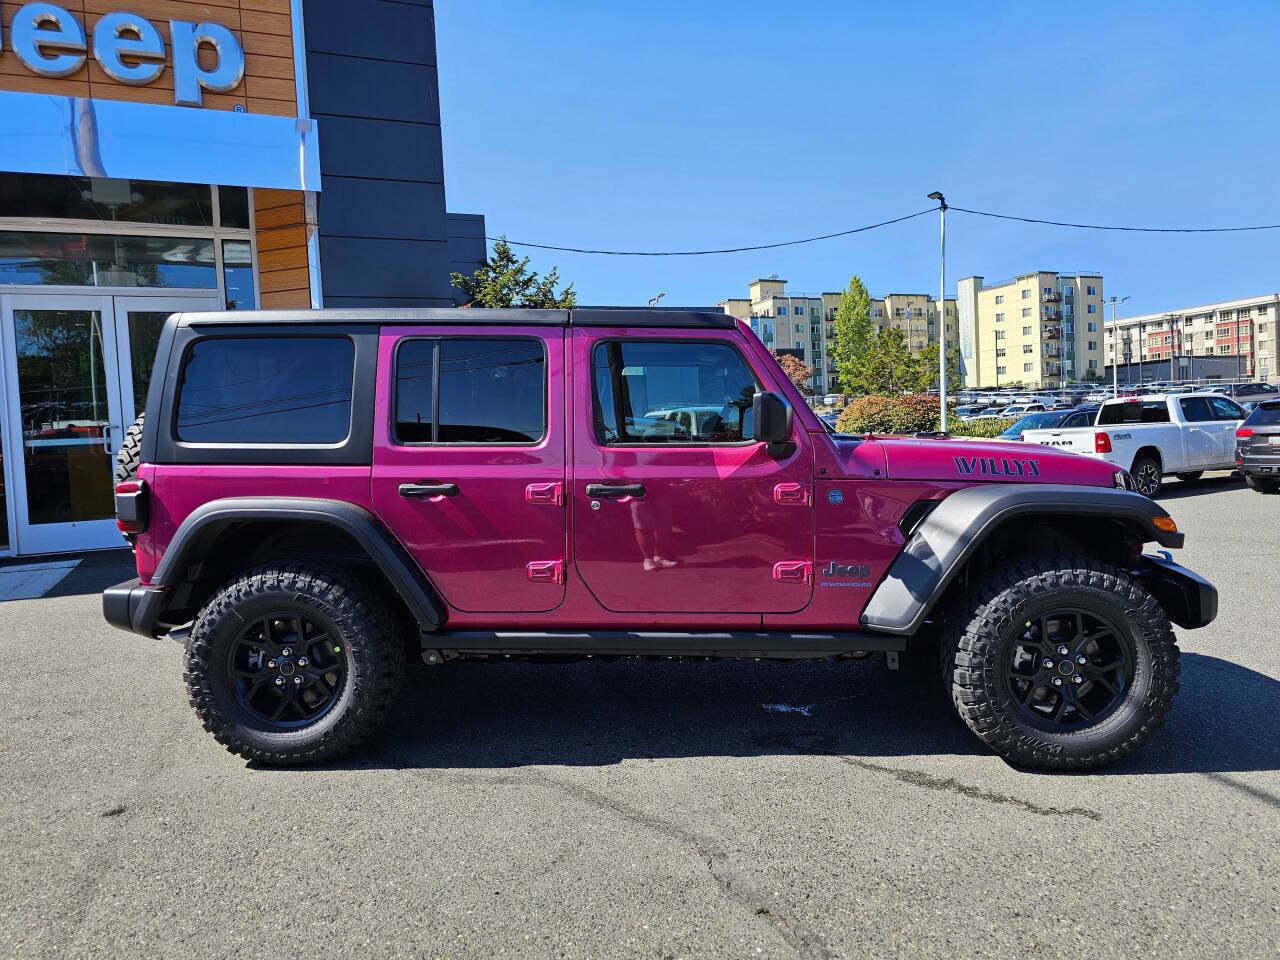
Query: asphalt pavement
x,y
732,809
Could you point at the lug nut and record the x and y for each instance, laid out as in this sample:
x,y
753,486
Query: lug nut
x,y
302,661
279,681
1057,681
1080,659
297,681
287,652
271,663
1047,663
1062,651
1077,679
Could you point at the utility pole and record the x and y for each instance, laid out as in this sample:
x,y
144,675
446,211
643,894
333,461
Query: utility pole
x,y
942,306
1115,346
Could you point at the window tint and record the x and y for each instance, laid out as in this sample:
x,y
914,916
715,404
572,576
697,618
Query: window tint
x,y
1224,409
1078,420
690,391
1127,412
470,390
1264,415
282,390
1196,409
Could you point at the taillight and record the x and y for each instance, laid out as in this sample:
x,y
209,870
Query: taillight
x,y
131,506
1101,443
1244,433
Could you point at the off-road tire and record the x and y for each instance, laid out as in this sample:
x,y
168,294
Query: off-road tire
x,y
348,606
1191,476
1262,486
996,612
1148,482
128,457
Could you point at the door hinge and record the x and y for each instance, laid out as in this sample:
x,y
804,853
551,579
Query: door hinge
x,y
791,494
793,571
545,571
550,493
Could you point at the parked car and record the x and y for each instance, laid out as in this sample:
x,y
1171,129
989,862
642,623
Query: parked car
x,y
1248,392
1064,419
315,493
1021,409
1258,447
1155,436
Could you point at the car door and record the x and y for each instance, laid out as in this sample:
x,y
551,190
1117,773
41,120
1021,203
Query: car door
x,y
1202,444
671,521
1228,416
469,461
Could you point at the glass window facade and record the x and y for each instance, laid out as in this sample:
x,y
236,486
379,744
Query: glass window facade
x,y
109,200
103,260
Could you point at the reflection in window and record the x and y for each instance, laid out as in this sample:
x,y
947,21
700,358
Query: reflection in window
x,y
233,202
280,390
106,199
144,337
96,260
237,273
688,391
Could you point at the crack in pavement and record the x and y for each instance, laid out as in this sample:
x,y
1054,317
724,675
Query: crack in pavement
x,y
735,883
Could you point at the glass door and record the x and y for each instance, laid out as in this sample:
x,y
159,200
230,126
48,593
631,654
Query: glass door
x,y
138,323
63,412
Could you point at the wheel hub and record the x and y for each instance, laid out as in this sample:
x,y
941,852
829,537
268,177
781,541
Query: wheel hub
x,y
287,668
286,671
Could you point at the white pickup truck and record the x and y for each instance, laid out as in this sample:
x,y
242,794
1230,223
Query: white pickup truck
x,y
1155,436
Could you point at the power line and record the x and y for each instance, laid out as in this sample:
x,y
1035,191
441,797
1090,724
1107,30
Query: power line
x,y
705,253
1097,226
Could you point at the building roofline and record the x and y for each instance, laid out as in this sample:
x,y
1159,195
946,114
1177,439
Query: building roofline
x,y
1201,308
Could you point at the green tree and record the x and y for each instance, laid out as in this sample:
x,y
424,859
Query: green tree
x,y
797,371
927,369
852,334
504,281
885,366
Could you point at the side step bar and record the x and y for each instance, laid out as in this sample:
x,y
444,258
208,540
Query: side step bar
x,y
447,645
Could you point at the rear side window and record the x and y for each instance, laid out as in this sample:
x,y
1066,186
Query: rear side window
x,y
684,391
1125,412
1264,415
471,390
273,390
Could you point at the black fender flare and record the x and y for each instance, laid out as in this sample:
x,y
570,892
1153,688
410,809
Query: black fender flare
x,y
202,526
945,539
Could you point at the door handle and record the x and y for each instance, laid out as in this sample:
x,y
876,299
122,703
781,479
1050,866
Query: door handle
x,y
615,489
428,489
106,438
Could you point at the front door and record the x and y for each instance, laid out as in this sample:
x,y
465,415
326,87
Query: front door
x,y
676,507
70,375
469,461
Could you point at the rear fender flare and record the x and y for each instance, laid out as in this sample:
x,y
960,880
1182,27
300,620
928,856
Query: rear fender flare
x,y
945,540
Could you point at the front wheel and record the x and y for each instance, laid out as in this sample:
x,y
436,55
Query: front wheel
x,y
292,664
1062,664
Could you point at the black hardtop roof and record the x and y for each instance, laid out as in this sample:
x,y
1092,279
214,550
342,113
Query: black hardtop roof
x,y
470,317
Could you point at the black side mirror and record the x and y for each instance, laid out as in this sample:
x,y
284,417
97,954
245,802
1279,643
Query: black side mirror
x,y
772,418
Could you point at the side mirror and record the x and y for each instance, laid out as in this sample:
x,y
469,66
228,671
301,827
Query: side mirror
x,y
772,418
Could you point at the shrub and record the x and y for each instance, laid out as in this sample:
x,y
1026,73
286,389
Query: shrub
x,y
979,428
880,414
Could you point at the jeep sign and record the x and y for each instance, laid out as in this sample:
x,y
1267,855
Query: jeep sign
x,y
51,42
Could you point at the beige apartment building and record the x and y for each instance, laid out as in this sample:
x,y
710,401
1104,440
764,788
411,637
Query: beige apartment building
x,y
1042,329
803,324
1244,329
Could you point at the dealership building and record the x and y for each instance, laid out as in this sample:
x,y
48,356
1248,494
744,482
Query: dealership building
x,y
170,156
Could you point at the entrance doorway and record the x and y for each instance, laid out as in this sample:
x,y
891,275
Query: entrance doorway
x,y
75,373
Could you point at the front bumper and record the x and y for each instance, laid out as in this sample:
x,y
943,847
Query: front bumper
x,y
1188,599
134,607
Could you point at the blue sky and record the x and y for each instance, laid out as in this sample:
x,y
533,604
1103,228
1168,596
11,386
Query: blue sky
x,y
705,124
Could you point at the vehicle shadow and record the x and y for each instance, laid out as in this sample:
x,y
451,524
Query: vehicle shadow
x,y
1174,489
471,715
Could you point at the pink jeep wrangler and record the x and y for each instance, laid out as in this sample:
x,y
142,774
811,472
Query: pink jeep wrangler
x,y
319,494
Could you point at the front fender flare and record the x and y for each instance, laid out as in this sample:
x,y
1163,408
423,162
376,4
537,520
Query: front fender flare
x,y
948,536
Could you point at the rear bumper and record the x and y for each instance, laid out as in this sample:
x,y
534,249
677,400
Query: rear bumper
x,y
133,607
1264,465
1188,599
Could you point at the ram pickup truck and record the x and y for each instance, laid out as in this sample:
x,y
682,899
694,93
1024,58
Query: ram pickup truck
x,y
316,496
1156,436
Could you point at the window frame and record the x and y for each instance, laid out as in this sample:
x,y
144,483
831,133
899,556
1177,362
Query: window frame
x,y
596,406
394,397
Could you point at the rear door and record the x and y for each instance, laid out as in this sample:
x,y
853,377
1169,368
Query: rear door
x,y
469,461
676,507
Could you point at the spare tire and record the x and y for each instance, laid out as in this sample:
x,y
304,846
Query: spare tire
x,y
129,456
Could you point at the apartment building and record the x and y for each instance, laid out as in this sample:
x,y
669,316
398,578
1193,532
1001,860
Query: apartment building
x,y
1041,329
1245,329
803,324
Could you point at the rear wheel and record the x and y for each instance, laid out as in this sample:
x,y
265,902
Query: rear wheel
x,y
291,664
1062,664
1147,475
1261,485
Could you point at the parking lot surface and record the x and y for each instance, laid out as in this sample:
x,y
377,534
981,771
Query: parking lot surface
x,y
635,809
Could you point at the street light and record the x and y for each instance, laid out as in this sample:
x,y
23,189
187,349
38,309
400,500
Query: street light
x,y
1115,347
942,306
653,302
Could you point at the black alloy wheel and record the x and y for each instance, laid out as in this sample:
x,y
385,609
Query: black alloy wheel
x,y
286,670
1068,669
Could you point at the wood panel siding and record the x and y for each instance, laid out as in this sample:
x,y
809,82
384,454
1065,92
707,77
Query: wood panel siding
x,y
281,220
263,27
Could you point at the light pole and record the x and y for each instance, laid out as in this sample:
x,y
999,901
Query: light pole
x,y
1140,348
1172,336
1115,346
653,302
997,352
942,305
